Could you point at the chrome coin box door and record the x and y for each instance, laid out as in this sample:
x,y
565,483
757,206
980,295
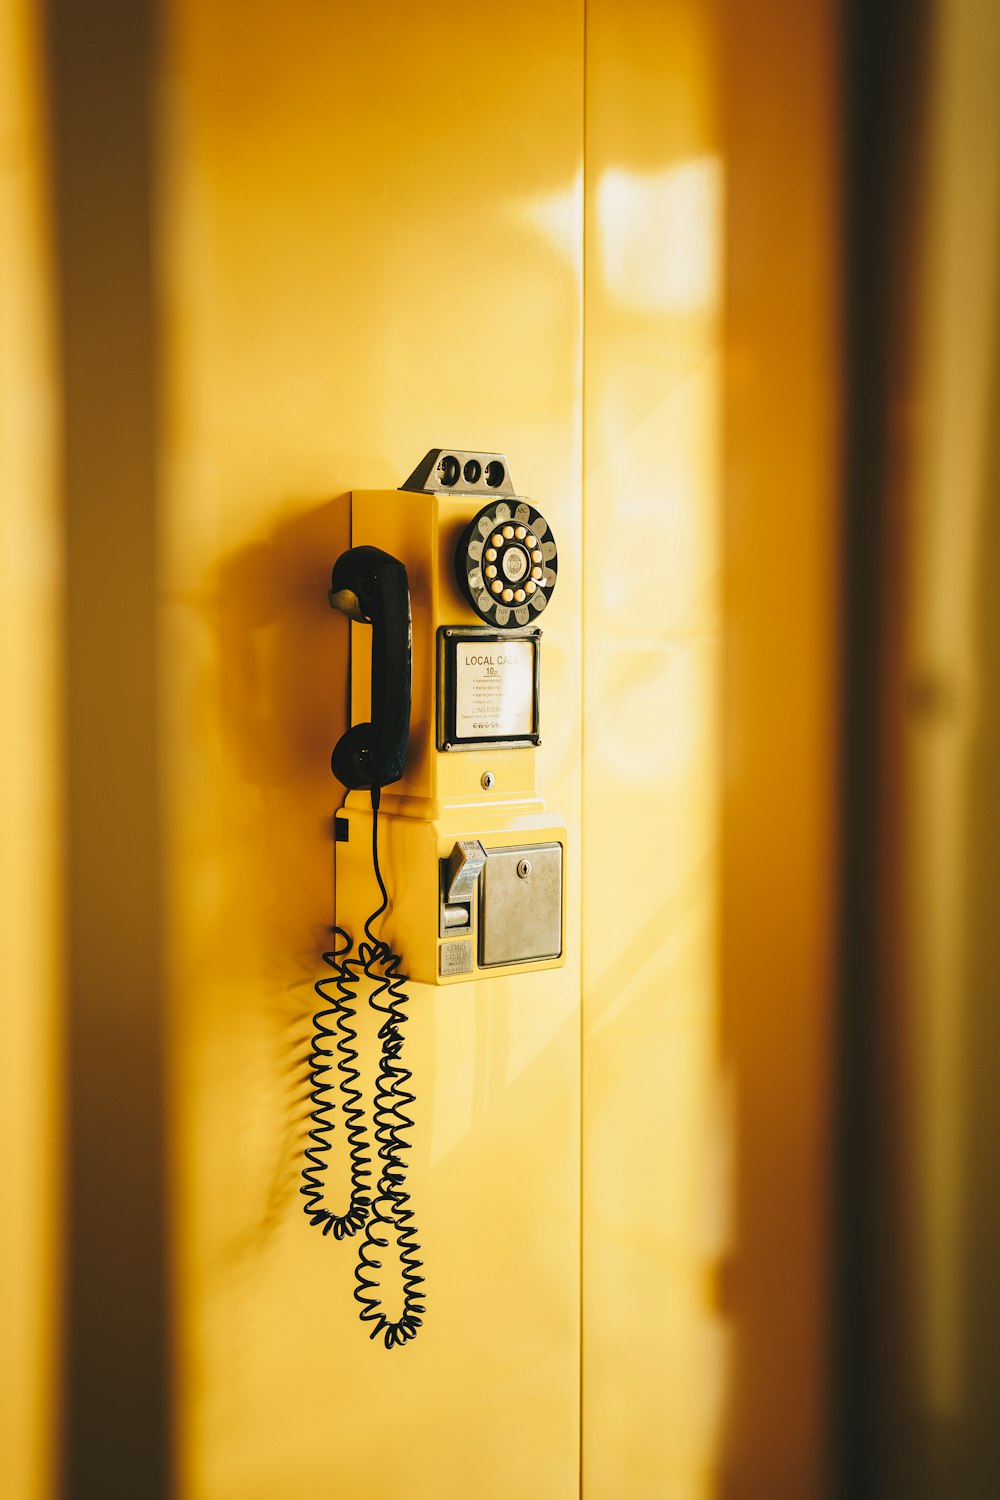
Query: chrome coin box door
x,y
520,905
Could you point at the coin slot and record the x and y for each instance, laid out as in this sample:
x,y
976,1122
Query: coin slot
x,y
449,469
458,880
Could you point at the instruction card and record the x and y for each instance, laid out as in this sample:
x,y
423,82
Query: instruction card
x,y
494,689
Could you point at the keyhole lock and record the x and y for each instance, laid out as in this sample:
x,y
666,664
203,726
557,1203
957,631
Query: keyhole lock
x,y
524,868
486,781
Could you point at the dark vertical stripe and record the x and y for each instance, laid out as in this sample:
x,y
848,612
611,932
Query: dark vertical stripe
x,y
867,36
101,76
882,45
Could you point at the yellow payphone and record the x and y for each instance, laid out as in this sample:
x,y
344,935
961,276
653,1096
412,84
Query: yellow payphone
x,y
446,581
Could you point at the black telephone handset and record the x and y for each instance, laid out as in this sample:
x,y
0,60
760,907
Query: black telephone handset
x,y
371,586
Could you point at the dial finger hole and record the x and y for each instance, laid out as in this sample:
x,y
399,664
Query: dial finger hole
x,y
536,574
491,554
507,595
490,570
508,532
497,586
530,587
496,540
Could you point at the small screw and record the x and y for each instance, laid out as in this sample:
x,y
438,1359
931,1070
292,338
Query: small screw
x,y
448,745
524,868
449,632
486,780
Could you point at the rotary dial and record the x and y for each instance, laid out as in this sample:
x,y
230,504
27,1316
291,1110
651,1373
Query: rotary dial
x,y
507,563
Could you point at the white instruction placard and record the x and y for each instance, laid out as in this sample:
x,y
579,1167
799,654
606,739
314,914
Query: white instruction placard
x,y
494,689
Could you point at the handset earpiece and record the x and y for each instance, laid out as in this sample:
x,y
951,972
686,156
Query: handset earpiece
x,y
371,586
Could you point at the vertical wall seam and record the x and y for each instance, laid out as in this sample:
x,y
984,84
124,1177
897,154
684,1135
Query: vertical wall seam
x,y
583,723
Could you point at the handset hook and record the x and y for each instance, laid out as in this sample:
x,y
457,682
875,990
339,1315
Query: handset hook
x,y
371,586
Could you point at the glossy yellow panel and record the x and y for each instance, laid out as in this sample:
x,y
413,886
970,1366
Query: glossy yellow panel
x,y
372,246
657,1140
30,801
708,857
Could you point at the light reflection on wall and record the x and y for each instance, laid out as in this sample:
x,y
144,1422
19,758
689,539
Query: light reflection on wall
x,y
556,217
656,1089
659,236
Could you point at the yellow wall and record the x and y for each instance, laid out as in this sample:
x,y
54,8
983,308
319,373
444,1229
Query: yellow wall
x,y
781,601
373,247
598,237
30,790
657,1125
709,737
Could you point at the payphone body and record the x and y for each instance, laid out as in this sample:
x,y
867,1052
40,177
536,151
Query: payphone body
x,y
474,862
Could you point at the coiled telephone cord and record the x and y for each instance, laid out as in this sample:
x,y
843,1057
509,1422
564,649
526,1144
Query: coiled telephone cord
x,y
388,1216
341,1007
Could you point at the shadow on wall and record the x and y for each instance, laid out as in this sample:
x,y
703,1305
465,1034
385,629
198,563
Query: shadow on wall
x,y
280,691
282,654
